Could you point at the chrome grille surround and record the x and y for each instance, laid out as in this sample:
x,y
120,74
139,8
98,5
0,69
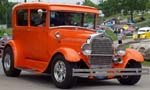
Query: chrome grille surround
x,y
101,56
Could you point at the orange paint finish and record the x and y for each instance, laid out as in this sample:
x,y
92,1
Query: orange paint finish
x,y
34,46
17,52
69,54
131,54
74,8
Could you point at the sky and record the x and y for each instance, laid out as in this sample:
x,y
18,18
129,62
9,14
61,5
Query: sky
x,y
56,1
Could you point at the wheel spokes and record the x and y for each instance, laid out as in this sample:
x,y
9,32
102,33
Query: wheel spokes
x,y
7,62
60,71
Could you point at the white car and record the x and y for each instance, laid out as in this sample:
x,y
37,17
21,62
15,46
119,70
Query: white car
x,y
143,30
142,33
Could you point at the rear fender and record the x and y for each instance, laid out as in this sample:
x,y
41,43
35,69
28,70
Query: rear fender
x,y
17,55
131,54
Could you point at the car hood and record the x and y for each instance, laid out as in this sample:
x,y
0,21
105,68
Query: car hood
x,y
73,32
73,37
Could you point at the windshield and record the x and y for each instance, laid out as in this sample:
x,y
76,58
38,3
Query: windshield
x,y
142,30
82,19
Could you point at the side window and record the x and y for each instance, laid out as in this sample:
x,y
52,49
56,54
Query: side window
x,y
59,18
22,17
38,17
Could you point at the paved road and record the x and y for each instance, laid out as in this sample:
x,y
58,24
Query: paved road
x,y
29,81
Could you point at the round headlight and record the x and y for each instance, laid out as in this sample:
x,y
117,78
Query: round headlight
x,y
86,49
121,52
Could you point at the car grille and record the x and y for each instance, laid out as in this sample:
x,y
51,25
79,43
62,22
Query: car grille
x,y
101,56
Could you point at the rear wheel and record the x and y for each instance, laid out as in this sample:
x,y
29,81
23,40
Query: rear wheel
x,y
131,80
8,63
61,71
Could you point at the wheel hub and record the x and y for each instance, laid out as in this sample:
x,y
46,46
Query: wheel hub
x,y
60,71
7,62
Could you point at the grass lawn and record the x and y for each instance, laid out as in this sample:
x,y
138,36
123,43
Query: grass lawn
x,y
146,63
111,35
8,31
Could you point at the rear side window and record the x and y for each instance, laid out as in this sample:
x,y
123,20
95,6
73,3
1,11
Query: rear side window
x,y
22,17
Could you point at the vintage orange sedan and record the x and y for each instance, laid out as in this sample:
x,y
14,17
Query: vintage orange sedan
x,y
61,40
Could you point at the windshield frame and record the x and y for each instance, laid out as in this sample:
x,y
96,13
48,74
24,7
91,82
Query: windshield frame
x,y
94,22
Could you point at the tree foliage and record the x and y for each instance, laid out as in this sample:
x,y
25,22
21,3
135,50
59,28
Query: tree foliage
x,y
148,5
90,3
111,7
5,11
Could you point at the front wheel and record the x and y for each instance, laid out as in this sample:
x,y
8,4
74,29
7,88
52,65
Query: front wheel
x,y
61,71
8,63
131,80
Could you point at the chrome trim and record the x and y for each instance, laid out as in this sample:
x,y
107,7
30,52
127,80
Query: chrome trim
x,y
110,72
7,62
92,36
100,55
67,26
60,71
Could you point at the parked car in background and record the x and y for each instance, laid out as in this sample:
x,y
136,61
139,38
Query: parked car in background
x,y
128,33
142,33
3,41
51,38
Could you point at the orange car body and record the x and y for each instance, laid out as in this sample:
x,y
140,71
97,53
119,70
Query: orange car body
x,y
35,47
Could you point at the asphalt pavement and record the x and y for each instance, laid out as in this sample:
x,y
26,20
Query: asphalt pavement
x,y
30,81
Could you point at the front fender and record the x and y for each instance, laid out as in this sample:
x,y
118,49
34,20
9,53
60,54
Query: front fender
x,y
131,54
70,54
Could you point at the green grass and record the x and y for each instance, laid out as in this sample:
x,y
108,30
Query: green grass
x,y
135,17
146,63
127,46
111,34
142,24
8,31
147,16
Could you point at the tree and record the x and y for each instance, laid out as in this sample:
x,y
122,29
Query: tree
x,y
104,6
115,6
90,3
148,5
5,9
132,5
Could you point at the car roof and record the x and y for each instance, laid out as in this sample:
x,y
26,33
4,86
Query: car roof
x,y
62,7
145,28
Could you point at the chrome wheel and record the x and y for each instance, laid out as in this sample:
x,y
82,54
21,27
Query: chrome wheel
x,y
60,71
7,62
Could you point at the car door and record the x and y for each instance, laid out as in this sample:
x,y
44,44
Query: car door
x,y
21,26
36,46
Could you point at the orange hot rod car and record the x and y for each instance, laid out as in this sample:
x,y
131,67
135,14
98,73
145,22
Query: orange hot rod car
x,y
61,40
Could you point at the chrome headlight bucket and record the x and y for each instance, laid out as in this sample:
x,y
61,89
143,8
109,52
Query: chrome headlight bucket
x,y
118,56
86,49
121,52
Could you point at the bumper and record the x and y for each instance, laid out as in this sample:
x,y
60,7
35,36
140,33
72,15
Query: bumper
x,y
139,36
110,72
